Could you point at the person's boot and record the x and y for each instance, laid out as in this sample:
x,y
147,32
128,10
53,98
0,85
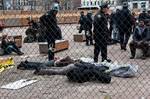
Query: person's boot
x,y
132,54
123,47
20,53
108,60
132,57
143,57
95,60
87,44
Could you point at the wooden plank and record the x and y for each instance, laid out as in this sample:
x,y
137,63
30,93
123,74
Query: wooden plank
x,y
79,37
59,46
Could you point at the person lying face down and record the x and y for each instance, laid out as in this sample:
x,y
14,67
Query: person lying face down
x,y
26,65
79,72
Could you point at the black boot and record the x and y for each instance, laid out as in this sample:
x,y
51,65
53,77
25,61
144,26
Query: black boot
x,y
108,60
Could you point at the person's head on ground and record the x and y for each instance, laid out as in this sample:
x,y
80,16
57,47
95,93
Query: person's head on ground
x,y
105,8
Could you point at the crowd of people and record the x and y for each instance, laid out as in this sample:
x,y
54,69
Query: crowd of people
x,y
116,27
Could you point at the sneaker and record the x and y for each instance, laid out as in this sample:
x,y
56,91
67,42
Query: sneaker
x,y
20,53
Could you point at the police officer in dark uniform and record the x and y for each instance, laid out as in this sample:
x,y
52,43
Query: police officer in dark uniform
x,y
101,33
82,22
52,30
88,29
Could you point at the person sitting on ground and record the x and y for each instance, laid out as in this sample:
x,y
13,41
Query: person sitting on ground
x,y
139,40
9,46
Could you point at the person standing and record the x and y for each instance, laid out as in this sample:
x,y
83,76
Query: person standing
x,y
101,33
52,29
125,26
82,22
88,29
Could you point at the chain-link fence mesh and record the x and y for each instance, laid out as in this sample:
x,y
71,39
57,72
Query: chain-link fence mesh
x,y
61,53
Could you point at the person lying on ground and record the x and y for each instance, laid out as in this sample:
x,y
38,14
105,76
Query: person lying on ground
x,y
79,72
9,46
26,65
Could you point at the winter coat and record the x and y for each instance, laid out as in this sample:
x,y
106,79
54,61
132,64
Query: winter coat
x,y
101,31
125,20
89,22
140,35
49,22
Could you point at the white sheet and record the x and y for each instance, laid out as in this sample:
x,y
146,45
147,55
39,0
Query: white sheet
x,y
19,84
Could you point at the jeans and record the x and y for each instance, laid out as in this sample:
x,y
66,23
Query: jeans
x,y
12,48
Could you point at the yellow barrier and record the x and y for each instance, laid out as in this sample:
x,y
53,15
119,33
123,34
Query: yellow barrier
x,y
6,63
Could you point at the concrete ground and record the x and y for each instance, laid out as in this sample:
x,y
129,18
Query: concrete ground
x,y
58,87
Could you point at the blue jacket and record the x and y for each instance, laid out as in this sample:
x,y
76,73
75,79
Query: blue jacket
x,y
139,35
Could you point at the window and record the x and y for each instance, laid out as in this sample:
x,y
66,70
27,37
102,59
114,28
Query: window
x,y
135,5
143,5
91,3
98,3
113,2
87,3
95,3
83,3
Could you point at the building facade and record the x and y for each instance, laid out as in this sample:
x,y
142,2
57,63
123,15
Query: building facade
x,y
139,4
38,4
24,4
96,3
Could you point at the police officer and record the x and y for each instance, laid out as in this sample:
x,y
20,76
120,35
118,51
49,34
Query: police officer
x,y
125,26
82,22
88,29
52,30
101,33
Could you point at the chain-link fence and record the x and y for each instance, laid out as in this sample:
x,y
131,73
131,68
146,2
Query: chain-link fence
x,y
57,56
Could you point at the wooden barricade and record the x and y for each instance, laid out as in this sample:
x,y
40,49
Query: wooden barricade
x,y
59,46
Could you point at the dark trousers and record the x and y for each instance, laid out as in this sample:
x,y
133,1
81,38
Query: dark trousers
x,y
89,37
12,48
143,46
100,46
124,38
81,28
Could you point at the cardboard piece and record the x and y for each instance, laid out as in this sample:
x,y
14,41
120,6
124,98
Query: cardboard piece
x,y
19,84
